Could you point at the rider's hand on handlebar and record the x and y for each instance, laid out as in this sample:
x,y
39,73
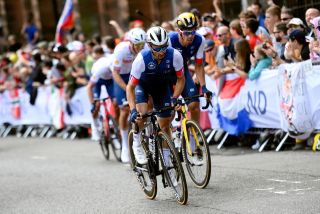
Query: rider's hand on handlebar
x,y
133,115
206,92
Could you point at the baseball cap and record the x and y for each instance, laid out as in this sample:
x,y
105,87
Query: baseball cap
x,y
295,21
209,44
299,36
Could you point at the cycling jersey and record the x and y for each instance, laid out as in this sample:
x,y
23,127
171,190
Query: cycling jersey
x,y
196,48
122,63
151,77
102,76
123,58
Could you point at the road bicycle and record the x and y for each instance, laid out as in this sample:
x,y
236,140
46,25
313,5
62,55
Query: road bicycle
x,y
109,131
191,142
155,143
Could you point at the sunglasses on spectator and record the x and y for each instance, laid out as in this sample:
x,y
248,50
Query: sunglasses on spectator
x,y
160,49
220,35
189,33
285,19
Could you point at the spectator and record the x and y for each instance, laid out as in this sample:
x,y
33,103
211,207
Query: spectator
x,y
311,13
14,45
236,30
30,31
280,33
249,30
261,32
259,61
242,61
294,24
209,57
286,14
168,26
273,14
298,49
256,8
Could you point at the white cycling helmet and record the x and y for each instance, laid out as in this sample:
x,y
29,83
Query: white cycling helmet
x,y
137,35
157,36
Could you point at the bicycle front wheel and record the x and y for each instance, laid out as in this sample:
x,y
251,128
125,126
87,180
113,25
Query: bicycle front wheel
x,y
115,137
146,179
172,168
104,144
196,154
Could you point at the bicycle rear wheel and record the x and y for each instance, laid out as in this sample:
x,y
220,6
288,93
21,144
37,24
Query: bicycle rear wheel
x,y
172,168
198,163
104,144
115,137
146,179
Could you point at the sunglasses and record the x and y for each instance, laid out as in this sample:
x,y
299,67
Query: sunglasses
x,y
220,35
285,19
160,49
189,33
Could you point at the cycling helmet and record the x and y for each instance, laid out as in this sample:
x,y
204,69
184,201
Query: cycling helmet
x,y
157,36
137,35
187,21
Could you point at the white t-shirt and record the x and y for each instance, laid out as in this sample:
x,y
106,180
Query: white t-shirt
x,y
102,69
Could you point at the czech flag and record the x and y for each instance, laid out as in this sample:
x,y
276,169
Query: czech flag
x,y
65,22
233,117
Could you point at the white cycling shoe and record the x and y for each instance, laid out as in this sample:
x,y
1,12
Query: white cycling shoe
x,y
139,155
124,156
196,160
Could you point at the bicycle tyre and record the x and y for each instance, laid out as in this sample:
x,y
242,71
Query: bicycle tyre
x,y
203,180
104,144
181,198
149,191
114,135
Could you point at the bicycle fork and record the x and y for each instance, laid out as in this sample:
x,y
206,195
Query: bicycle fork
x,y
185,133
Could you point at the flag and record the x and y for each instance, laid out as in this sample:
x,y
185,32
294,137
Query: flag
x,y
233,117
65,22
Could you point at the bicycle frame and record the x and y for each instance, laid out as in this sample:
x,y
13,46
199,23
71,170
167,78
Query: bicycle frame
x,y
185,118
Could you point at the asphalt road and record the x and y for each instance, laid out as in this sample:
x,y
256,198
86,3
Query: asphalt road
x,y
60,176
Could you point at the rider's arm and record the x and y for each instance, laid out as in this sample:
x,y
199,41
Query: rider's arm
x,y
199,68
89,91
117,64
137,68
178,66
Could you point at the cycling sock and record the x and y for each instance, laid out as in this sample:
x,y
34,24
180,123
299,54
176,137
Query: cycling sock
x,y
124,137
166,156
136,140
192,143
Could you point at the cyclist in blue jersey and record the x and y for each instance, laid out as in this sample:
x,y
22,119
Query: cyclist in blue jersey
x,y
190,44
148,77
124,54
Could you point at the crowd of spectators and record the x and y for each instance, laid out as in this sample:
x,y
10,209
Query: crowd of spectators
x,y
246,45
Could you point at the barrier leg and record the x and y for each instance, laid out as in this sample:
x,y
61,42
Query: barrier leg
x,y
44,131
28,131
73,135
2,130
223,140
7,131
211,135
263,145
282,142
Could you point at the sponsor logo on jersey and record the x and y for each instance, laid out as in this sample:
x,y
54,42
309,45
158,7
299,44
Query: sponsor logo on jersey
x,y
151,65
116,62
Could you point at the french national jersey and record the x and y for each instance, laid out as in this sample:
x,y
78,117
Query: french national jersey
x,y
102,69
147,71
196,48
